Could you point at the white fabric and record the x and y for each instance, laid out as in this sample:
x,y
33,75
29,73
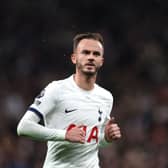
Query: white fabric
x,y
84,108
28,126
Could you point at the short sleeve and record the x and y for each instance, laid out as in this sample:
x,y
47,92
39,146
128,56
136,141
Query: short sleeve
x,y
45,102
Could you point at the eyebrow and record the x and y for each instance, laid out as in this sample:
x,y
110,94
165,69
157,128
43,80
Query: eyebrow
x,y
96,53
88,51
85,51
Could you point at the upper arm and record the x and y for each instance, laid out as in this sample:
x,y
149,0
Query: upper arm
x,y
45,102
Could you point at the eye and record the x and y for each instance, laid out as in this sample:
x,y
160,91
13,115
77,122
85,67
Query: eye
x,y
96,53
86,52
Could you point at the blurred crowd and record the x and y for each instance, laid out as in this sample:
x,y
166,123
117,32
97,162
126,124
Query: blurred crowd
x,y
35,47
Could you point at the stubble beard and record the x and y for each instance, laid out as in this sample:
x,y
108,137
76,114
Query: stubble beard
x,y
88,73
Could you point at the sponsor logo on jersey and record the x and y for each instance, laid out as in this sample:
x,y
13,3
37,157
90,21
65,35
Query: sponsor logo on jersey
x,y
92,134
69,110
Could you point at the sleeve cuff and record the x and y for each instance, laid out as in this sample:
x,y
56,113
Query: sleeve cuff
x,y
60,135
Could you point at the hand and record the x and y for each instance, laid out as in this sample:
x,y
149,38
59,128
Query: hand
x,y
112,130
76,134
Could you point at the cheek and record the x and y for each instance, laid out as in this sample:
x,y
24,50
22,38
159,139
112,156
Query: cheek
x,y
101,61
79,60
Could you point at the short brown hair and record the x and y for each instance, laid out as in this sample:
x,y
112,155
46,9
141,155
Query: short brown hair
x,y
94,36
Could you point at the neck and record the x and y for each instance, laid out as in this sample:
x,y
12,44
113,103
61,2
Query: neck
x,y
85,82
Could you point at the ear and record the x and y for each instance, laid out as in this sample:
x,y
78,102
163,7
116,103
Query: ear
x,y
73,58
102,62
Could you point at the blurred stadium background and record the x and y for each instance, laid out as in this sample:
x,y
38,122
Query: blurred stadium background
x,y
35,47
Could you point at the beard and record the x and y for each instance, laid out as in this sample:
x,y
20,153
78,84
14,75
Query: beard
x,y
88,71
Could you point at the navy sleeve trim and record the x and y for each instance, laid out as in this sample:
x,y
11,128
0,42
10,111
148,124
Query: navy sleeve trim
x,y
36,112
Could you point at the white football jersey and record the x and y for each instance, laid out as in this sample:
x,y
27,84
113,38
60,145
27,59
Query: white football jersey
x,y
63,105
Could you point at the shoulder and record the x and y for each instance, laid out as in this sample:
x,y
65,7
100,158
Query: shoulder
x,y
57,84
106,94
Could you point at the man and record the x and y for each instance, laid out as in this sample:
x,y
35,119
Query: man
x,y
76,111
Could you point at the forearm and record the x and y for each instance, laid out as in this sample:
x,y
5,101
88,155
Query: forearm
x,y
28,126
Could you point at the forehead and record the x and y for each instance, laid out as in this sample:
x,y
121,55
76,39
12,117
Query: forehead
x,y
90,44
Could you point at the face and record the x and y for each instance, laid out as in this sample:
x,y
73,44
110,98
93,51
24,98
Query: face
x,y
88,56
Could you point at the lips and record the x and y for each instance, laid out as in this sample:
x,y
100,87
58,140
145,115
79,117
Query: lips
x,y
90,64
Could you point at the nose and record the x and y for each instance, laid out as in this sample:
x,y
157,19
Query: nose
x,y
91,56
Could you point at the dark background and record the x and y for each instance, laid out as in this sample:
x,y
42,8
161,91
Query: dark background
x,y
35,47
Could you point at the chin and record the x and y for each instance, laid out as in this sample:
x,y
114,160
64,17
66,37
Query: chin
x,y
89,73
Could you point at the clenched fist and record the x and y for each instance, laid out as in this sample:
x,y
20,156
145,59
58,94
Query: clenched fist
x,y
112,130
76,134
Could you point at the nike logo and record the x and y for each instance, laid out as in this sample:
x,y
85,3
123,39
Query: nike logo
x,y
68,111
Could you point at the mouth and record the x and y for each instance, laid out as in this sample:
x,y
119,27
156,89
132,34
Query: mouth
x,y
90,64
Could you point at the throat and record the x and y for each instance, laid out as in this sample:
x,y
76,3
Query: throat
x,y
86,83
